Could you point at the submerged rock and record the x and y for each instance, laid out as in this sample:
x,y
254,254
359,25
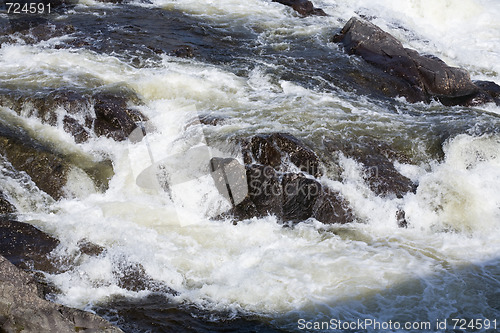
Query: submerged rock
x,y
105,113
184,51
378,160
132,276
303,7
401,218
89,248
33,29
112,1
26,246
22,308
48,170
414,76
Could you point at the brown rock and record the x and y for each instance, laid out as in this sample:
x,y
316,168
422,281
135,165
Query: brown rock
x,y
184,51
290,196
5,206
113,117
303,7
414,76
48,170
332,208
26,246
300,195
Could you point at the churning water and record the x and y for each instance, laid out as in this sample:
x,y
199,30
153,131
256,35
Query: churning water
x,y
265,70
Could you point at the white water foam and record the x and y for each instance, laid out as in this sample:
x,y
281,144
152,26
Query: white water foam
x,y
258,266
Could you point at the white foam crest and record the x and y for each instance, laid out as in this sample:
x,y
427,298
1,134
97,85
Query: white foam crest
x,y
177,84
254,266
462,193
222,10
22,65
21,191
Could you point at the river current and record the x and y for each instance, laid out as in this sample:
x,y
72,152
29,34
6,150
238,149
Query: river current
x,y
265,69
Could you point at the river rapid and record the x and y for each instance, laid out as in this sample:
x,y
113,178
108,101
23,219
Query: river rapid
x,y
265,69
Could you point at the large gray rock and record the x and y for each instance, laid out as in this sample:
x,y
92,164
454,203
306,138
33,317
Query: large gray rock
x,y
275,187
23,310
414,76
303,7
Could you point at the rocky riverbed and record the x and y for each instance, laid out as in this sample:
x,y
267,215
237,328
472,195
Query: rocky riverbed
x,y
236,167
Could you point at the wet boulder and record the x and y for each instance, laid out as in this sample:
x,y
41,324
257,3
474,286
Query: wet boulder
x,y
26,246
23,309
274,187
377,159
305,197
43,104
291,197
414,76
47,169
299,196
277,149
114,118
105,113
265,194
491,89
332,208
303,7
76,129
